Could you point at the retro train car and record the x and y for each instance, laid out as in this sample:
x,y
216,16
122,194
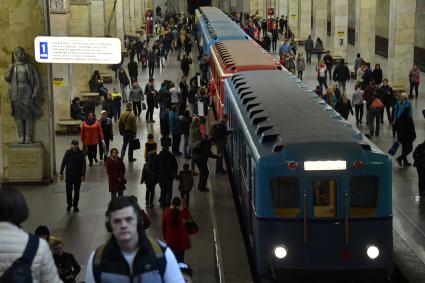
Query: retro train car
x,y
315,194
233,56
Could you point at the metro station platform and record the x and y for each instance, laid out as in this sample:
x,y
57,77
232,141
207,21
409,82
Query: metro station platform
x,y
218,249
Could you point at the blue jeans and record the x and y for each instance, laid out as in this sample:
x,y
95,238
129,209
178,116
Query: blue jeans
x,y
117,113
123,92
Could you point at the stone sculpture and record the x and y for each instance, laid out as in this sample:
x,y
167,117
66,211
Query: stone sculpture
x,y
25,95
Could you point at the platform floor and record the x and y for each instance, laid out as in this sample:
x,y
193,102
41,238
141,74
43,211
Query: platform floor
x,y
84,231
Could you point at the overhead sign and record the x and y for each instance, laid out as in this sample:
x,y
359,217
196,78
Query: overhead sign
x,y
77,50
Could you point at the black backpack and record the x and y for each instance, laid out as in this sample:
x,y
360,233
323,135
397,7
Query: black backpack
x,y
20,270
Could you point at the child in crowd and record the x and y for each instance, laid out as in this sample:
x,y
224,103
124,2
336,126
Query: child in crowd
x,y
186,183
149,177
150,146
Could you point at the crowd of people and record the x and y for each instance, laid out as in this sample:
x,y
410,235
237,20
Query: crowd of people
x,y
183,111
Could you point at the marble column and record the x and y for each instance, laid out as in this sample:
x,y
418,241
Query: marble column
x,y
304,18
293,16
138,13
61,73
253,7
110,21
132,17
119,22
365,29
21,21
320,19
401,41
97,18
339,28
126,15
80,26
283,8
97,27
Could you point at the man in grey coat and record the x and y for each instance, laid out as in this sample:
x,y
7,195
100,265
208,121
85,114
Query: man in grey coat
x,y
309,45
136,98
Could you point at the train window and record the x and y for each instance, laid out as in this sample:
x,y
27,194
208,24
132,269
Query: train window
x,y
364,195
324,198
286,196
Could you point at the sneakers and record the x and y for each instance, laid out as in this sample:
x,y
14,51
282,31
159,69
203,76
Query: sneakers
x,y
76,209
132,160
68,208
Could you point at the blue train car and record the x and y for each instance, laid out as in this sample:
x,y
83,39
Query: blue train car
x,y
208,14
212,33
315,194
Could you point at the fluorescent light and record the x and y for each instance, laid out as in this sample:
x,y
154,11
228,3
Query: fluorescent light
x,y
325,165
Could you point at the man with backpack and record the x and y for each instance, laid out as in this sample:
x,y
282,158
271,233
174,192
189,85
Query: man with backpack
x,y
129,255
218,133
375,106
25,258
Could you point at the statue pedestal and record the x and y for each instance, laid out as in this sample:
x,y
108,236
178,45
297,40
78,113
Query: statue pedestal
x,y
25,162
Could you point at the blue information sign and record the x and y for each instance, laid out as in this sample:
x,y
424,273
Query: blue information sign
x,y
44,52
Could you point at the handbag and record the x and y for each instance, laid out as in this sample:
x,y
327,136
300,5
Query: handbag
x,y
394,148
135,144
143,106
191,226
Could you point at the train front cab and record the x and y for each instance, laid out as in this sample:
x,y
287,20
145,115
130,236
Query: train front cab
x,y
311,218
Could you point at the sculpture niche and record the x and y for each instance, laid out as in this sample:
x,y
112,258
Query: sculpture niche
x,y
25,95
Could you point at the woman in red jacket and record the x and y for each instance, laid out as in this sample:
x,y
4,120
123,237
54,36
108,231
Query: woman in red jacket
x,y
91,136
173,229
116,170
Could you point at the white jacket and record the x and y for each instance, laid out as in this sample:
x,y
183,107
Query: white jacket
x,y
12,245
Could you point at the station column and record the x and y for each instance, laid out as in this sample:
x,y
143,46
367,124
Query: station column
x,y
293,16
401,41
339,28
22,21
365,28
126,15
131,17
61,73
119,21
80,26
304,18
320,19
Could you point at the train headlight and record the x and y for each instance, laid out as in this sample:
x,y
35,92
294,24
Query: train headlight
x,y
372,252
280,252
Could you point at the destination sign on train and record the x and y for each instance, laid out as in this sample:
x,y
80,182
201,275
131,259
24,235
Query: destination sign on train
x,y
77,50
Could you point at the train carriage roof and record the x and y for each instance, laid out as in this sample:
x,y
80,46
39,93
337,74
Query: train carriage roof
x,y
213,14
282,112
243,55
219,30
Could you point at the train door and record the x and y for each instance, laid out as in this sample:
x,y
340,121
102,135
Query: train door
x,y
252,201
326,194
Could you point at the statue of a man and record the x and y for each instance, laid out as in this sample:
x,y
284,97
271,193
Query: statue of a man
x,y
25,95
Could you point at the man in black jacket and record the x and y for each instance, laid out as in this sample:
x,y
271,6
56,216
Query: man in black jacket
x,y
133,70
75,162
219,133
341,74
389,99
201,152
166,169
151,100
